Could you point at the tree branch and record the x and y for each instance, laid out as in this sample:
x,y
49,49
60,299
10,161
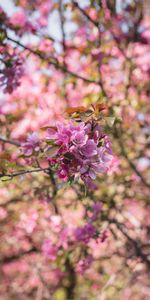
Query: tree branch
x,y
53,61
7,141
131,164
137,247
9,259
11,175
95,23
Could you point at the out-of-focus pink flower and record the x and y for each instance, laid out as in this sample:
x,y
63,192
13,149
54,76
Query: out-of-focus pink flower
x,y
96,209
19,21
11,73
19,18
28,222
104,236
63,172
49,250
32,144
46,7
85,233
55,223
3,213
84,264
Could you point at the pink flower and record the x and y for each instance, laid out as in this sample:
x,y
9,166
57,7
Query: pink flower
x,y
28,222
32,144
63,172
90,169
3,213
83,234
66,133
89,149
20,22
96,208
18,19
104,236
50,250
45,8
84,264
55,223
11,73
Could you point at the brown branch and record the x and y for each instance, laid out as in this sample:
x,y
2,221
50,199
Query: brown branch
x,y
137,247
11,175
124,153
64,46
53,61
72,280
62,23
95,23
7,141
9,259
132,165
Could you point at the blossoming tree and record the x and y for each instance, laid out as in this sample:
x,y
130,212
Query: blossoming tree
x,y
74,158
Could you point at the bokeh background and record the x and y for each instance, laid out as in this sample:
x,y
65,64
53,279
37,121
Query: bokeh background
x,y
74,53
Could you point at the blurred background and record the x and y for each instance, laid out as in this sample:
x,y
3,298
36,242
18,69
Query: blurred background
x,y
55,55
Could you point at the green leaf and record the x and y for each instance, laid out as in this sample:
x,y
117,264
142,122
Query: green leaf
x,y
2,36
71,180
50,142
68,156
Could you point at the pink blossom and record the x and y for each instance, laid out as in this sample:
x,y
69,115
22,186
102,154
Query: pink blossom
x,y
55,223
89,149
96,209
85,233
84,264
104,236
11,73
20,22
28,222
32,144
80,151
18,19
63,172
3,213
49,250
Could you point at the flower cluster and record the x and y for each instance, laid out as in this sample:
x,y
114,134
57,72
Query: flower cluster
x,y
11,71
82,150
74,149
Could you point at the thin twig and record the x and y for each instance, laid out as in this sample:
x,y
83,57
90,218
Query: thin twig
x,y
11,175
7,141
131,164
53,61
9,259
137,247
95,23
